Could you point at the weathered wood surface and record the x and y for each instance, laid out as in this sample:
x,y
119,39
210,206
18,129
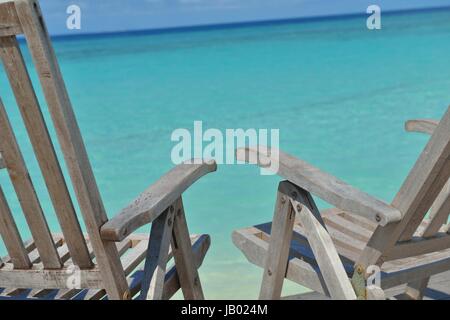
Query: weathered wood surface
x,y
183,256
58,279
255,249
439,212
72,145
416,196
157,256
279,245
438,215
253,242
26,193
30,247
157,198
419,246
38,277
327,257
51,262
37,130
421,125
438,289
200,246
321,184
11,236
9,22
408,248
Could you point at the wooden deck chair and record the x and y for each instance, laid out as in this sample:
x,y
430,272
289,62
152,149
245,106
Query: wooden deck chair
x,y
342,252
72,265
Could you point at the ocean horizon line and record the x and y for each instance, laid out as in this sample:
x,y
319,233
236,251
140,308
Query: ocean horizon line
x,y
236,25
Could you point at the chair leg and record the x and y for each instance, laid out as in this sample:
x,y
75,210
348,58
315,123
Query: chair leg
x,y
280,240
416,290
184,257
157,256
327,257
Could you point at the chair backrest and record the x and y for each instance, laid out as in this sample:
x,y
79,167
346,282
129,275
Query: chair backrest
x,y
426,187
24,17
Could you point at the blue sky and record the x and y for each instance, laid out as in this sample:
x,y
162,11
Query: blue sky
x,y
122,15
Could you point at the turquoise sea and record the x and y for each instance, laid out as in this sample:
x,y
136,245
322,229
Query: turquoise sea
x,y
338,92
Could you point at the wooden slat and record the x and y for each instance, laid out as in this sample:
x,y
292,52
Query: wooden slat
x,y
133,259
418,246
330,264
72,146
345,239
26,193
130,261
347,227
200,245
34,257
304,197
65,294
29,247
64,255
43,147
439,212
422,269
9,22
40,278
425,181
11,236
280,240
348,246
61,294
37,275
440,174
361,221
256,249
157,256
183,256
300,247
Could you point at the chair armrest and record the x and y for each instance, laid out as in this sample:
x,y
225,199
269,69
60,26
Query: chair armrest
x,y
421,125
321,184
157,198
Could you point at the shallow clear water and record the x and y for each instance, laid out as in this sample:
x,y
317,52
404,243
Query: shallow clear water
x,y
338,92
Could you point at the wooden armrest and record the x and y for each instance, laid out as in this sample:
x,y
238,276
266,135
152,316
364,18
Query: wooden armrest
x,y
421,125
157,198
321,184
